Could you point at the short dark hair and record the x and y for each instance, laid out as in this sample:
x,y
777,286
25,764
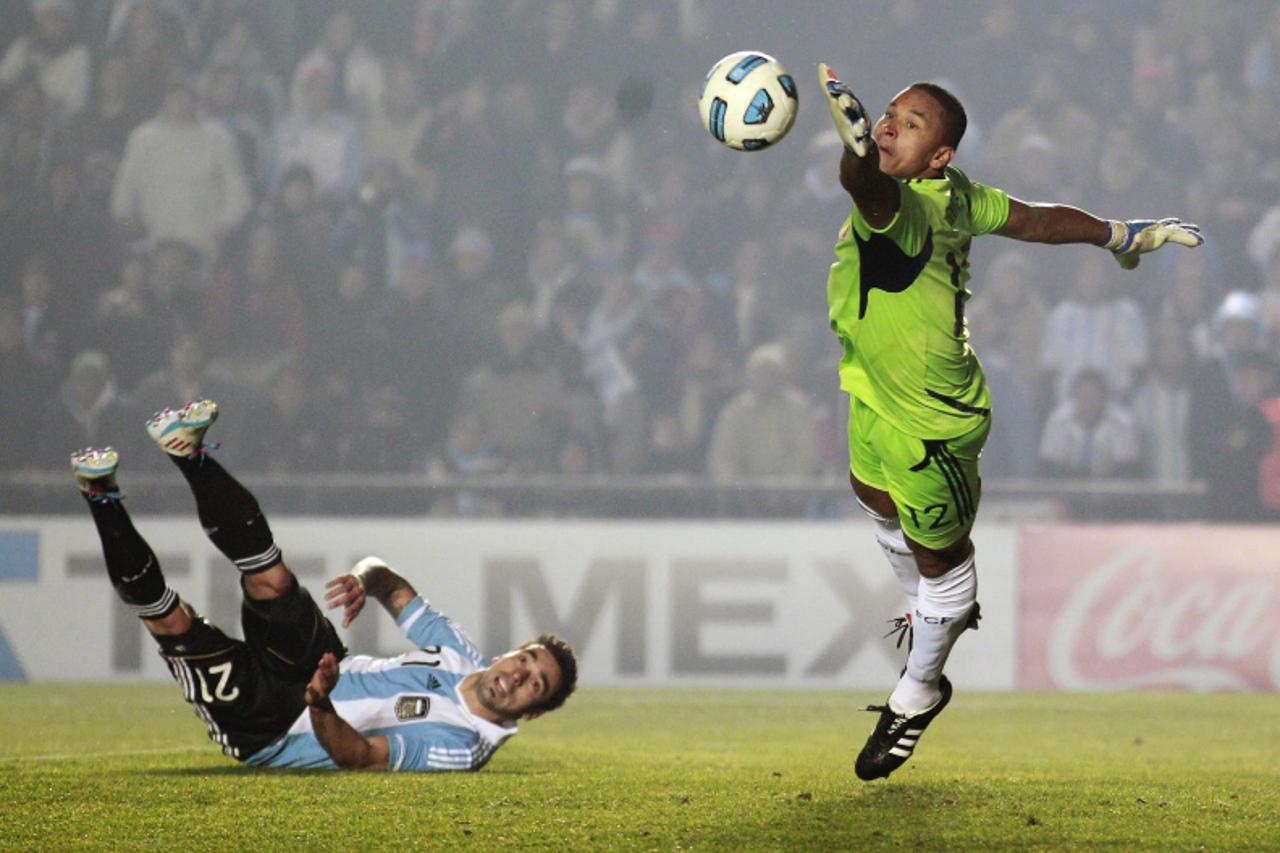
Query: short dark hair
x,y
563,653
954,118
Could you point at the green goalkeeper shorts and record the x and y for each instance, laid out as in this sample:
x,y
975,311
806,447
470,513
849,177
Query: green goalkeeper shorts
x,y
934,482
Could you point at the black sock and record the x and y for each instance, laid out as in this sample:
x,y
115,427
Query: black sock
x,y
131,564
229,514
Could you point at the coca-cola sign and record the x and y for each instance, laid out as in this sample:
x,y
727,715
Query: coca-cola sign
x,y
1149,608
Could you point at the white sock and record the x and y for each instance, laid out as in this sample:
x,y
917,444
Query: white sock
x,y
889,536
941,615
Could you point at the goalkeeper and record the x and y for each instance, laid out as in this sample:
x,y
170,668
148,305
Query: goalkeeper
x,y
919,408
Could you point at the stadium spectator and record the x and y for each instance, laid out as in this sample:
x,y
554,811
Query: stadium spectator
x,y
757,302
80,235
53,56
520,401
680,433
256,320
384,223
1011,301
397,128
1238,330
808,348
483,179
615,445
87,406
550,267
601,337
597,235
1190,305
768,429
468,452
44,314
348,314
1162,408
1091,328
417,335
1269,468
292,408
318,134
304,232
533,171
1089,435
238,47
21,380
360,78
478,286
1233,436
1229,435
673,310
223,100
1255,388
104,126
1051,116
26,138
1153,93
181,178
282,697
576,456
177,281
130,323
155,37
1262,56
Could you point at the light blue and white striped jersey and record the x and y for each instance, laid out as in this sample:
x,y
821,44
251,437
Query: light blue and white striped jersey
x,y
413,700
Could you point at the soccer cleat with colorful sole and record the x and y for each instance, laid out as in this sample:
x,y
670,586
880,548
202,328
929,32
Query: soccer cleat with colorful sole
x,y
181,432
95,471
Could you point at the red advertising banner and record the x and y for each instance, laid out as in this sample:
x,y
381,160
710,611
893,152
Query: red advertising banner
x,y
1148,607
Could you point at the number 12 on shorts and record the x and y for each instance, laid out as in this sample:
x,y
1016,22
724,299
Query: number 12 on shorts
x,y
931,517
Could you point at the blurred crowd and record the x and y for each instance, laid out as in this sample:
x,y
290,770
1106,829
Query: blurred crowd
x,y
488,236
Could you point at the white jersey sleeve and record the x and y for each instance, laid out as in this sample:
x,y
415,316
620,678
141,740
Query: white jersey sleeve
x,y
425,626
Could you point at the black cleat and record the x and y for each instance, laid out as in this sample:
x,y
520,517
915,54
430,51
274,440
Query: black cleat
x,y
895,737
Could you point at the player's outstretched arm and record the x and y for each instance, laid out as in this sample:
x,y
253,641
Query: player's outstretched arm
x,y
875,193
1127,241
371,577
347,747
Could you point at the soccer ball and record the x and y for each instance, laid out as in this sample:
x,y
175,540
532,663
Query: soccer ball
x,y
748,100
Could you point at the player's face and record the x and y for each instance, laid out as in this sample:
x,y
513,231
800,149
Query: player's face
x,y
518,681
909,136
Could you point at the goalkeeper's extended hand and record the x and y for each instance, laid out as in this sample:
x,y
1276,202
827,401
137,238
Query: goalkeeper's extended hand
x,y
1130,240
846,112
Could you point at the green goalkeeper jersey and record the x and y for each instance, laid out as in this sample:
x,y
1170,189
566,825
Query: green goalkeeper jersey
x,y
896,298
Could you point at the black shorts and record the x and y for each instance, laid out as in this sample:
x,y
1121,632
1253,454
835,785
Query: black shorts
x,y
249,692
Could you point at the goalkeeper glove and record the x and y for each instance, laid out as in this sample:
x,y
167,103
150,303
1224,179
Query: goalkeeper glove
x,y
1130,240
846,112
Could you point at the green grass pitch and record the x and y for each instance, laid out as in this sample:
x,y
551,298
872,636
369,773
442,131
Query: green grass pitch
x,y
128,767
